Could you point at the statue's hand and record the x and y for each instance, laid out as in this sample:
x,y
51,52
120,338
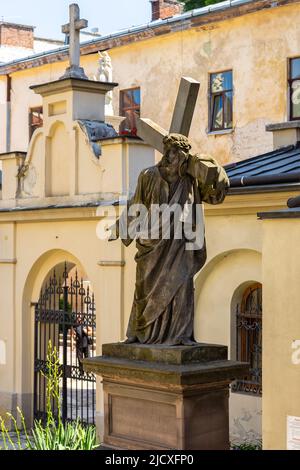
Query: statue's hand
x,y
215,193
114,232
221,179
212,177
222,182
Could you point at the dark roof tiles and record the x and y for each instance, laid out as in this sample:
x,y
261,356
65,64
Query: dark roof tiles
x,y
263,169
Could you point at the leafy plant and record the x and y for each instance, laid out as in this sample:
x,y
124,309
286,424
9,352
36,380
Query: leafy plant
x,y
248,445
72,436
191,4
8,443
62,305
54,435
6,436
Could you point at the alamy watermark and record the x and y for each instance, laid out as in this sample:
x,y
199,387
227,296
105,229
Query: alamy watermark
x,y
296,352
158,222
296,92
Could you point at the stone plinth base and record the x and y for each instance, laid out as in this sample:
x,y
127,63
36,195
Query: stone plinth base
x,y
166,397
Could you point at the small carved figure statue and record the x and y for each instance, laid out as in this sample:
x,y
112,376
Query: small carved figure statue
x,y
22,172
104,74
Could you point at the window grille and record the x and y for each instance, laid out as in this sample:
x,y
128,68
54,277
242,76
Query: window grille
x,y
249,340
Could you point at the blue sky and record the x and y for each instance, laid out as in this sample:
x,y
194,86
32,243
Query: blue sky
x,y
49,15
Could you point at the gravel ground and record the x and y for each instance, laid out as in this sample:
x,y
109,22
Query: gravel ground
x,y
14,439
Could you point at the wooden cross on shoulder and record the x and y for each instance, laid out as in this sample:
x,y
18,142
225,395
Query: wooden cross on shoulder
x,y
153,134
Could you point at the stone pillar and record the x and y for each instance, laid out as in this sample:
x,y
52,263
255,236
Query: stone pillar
x,y
12,162
164,398
284,133
8,392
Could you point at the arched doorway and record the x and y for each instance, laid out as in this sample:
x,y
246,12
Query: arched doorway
x,y
65,314
248,339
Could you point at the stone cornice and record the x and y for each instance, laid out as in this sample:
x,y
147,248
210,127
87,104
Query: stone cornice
x,y
53,214
74,84
238,204
243,204
12,155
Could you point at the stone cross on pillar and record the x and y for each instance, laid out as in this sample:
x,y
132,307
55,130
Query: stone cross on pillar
x,y
73,30
153,134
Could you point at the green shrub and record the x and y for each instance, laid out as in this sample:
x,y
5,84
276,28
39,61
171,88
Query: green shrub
x,y
191,4
248,445
54,435
72,436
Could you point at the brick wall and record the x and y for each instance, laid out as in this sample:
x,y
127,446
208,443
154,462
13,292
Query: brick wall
x,y
162,9
16,35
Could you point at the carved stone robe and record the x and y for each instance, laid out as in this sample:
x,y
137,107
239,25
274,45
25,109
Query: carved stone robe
x,y
163,305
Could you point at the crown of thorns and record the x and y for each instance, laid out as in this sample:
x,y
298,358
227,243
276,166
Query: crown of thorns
x,y
177,140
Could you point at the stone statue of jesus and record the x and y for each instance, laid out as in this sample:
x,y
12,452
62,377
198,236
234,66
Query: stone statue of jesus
x,y
163,305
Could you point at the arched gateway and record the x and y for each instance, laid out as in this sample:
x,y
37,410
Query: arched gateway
x,y
65,314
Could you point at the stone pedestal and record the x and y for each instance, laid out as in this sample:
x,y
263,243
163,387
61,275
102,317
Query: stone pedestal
x,y
163,398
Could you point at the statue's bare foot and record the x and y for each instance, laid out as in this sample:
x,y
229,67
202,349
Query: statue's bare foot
x,y
188,342
130,340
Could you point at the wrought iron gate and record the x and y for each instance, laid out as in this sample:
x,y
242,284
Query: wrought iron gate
x,y
65,314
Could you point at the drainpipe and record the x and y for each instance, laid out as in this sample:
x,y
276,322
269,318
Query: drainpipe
x,y
8,113
239,181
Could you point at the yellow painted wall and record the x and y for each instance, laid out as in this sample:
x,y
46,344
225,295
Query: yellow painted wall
x,y
54,242
58,164
281,319
234,263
